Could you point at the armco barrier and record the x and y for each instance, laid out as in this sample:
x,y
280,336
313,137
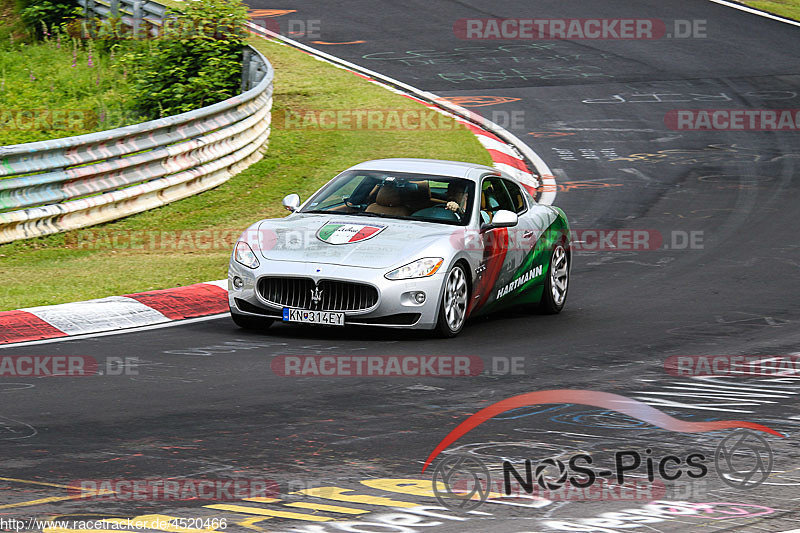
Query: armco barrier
x,y
63,184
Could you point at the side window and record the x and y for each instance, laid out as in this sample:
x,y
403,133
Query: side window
x,y
516,197
494,197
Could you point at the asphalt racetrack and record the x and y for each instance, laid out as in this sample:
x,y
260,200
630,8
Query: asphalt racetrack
x,y
721,277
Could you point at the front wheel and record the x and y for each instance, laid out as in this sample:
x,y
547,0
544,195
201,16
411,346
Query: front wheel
x,y
554,295
453,308
251,322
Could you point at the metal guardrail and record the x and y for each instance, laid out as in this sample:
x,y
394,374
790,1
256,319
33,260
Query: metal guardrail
x,y
63,184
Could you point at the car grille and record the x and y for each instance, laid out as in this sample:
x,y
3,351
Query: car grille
x,y
334,295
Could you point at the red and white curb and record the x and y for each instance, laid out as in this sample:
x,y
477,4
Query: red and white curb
x,y
114,313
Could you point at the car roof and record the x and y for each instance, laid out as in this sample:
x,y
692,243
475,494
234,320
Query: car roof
x,y
437,167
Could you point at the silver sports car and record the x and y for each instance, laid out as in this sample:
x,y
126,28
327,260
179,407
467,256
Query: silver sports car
x,y
402,243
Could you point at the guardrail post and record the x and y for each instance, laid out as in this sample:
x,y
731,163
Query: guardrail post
x,y
253,75
246,61
137,18
114,4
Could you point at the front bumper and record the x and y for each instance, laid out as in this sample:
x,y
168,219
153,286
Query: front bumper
x,y
394,308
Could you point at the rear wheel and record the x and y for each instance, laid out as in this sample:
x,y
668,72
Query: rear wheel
x,y
556,285
250,322
453,308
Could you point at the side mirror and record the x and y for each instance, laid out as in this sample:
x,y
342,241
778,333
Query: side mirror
x,y
502,219
291,202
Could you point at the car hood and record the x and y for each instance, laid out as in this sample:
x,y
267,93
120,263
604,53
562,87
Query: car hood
x,y
368,242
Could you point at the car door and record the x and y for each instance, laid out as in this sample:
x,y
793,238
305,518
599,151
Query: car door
x,y
527,264
499,258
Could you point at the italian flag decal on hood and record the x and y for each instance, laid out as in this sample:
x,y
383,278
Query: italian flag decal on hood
x,y
345,233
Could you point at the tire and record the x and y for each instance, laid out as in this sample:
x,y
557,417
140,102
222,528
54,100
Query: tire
x,y
453,304
554,295
251,322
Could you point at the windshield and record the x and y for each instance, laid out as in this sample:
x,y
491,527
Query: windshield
x,y
402,195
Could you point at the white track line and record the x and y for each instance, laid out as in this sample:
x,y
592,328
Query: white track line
x,y
756,12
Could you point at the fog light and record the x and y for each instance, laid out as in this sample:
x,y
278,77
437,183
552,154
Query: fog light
x,y
419,297
238,283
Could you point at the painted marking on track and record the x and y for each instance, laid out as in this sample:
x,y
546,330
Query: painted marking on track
x,y
309,505
479,101
41,501
51,499
337,494
31,482
268,512
269,12
347,42
261,499
250,523
325,507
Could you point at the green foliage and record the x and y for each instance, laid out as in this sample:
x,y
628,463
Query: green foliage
x,y
195,62
66,84
42,15
12,29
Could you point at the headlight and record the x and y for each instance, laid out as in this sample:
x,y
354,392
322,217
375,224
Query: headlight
x,y
244,255
421,268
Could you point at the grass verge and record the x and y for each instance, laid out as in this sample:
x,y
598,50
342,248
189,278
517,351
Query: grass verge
x,y
62,268
784,8
57,87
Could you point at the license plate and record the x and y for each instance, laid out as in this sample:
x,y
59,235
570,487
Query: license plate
x,y
326,318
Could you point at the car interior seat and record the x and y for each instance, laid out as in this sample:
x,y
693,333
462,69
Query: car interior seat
x,y
391,200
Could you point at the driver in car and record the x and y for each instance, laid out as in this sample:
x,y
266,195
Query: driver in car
x,y
456,197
